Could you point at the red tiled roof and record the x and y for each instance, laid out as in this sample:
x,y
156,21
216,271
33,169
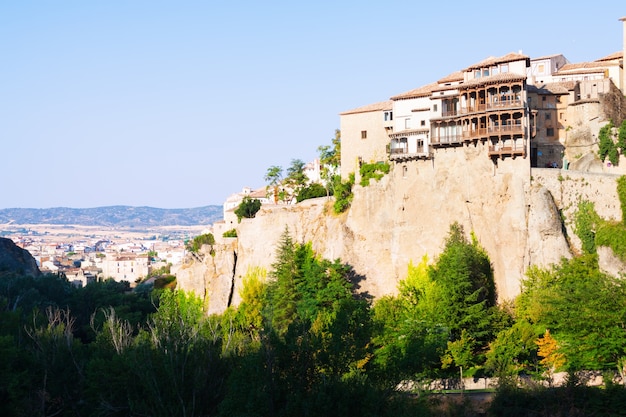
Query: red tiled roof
x,y
455,76
553,88
583,68
493,79
501,60
380,106
613,57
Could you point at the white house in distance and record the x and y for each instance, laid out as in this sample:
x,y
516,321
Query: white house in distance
x,y
312,170
125,266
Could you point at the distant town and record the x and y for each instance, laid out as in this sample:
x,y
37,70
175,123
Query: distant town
x,y
89,253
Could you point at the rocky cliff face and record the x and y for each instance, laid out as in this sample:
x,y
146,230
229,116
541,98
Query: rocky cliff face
x,y
513,213
15,259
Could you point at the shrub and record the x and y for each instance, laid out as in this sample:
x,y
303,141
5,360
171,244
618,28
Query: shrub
x,y
606,145
343,194
613,235
248,208
586,221
312,191
376,171
230,233
198,241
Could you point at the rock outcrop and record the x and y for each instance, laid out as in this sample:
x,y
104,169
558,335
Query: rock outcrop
x,y
17,260
520,217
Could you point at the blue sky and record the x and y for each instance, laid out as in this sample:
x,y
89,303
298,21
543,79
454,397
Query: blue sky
x,y
177,104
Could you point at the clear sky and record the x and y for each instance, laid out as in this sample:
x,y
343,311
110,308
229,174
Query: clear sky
x,y
178,104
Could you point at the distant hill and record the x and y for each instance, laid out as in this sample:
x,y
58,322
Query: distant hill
x,y
113,216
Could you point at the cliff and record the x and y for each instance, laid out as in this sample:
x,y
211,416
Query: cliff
x,y
513,212
15,259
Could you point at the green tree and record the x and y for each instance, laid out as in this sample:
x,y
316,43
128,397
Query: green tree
x,y
408,340
312,190
273,177
330,161
296,179
606,144
282,290
466,296
248,208
584,309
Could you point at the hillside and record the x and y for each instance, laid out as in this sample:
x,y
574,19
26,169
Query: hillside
x,y
113,216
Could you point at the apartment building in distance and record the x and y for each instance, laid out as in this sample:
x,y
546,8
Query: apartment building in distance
x,y
544,109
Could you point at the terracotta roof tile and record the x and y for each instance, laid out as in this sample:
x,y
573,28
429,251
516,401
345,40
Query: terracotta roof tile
x,y
455,76
552,88
380,106
501,60
583,67
613,57
493,79
423,91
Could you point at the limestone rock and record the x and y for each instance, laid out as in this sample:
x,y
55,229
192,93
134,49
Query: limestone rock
x,y
15,259
514,213
609,263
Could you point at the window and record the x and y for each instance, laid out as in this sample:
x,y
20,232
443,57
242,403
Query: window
x,y
407,123
363,134
548,116
543,98
388,115
434,107
541,68
550,131
485,73
423,123
504,68
561,115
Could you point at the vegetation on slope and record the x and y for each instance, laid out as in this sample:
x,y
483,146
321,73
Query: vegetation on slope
x,y
304,341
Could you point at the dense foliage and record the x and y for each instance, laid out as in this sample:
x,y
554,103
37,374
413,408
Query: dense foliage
x,y
248,208
375,170
594,231
343,193
197,242
304,341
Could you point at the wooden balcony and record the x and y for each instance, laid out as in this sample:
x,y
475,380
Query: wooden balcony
x,y
493,131
449,140
502,151
402,154
497,105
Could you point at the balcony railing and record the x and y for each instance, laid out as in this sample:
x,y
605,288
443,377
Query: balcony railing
x,y
401,154
493,131
496,105
446,140
502,151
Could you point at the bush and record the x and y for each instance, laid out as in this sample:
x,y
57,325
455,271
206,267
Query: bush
x,y
312,191
230,233
343,194
248,208
586,221
376,171
198,241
